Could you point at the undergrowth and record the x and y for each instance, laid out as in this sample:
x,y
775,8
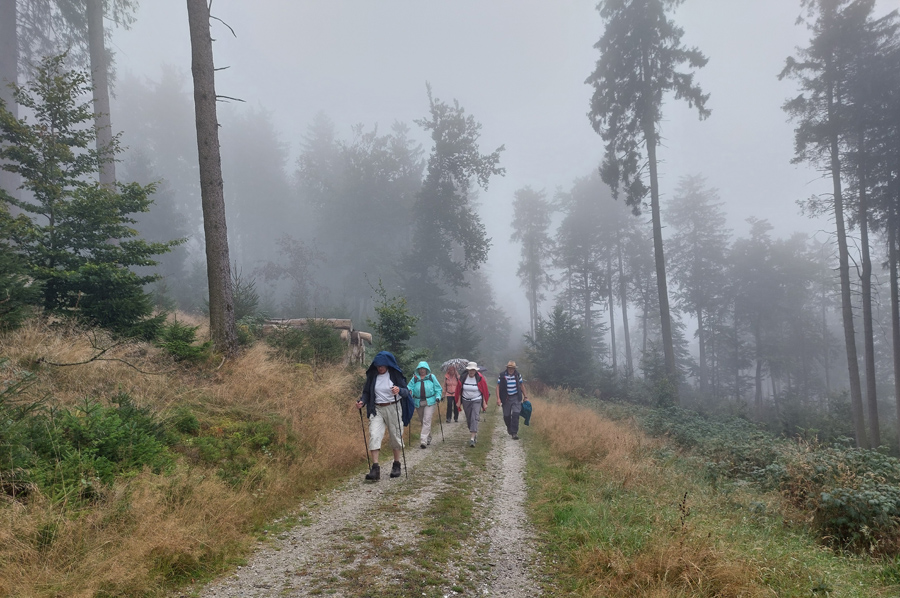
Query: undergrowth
x,y
127,481
622,515
851,495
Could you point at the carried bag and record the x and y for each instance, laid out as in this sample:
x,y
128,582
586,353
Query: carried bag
x,y
526,411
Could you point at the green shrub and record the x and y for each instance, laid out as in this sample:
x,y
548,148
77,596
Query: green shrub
x,y
179,341
74,453
235,447
318,343
185,422
851,495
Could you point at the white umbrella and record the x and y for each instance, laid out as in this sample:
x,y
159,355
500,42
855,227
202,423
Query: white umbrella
x,y
459,363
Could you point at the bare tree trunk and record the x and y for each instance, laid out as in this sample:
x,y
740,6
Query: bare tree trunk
x,y
612,316
9,68
100,80
221,301
623,300
826,346
894,257
844,268
701,339
757,334
661,285
737,356
868,328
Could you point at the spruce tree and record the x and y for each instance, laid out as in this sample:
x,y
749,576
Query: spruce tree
x,y
77,236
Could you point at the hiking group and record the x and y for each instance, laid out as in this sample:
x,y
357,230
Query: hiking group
x,y
390,403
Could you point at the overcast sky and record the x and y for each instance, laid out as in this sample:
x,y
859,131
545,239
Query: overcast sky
x,y
519,67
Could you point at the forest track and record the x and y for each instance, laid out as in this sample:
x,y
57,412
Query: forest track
x,y
455,527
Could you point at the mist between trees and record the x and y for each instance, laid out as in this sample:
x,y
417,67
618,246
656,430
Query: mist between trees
x,y
629,295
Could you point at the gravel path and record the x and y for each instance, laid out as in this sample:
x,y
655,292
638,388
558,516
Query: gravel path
x,y
369,539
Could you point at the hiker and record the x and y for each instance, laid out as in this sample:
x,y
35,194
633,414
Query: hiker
x,y
383,396
451,381
510,394
426,393
473,393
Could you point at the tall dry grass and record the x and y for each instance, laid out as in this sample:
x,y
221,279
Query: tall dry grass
x,y
683,558
582,436
152,530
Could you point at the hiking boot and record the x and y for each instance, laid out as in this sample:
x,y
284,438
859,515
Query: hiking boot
x,y
428,442
395,469
374,474
515,436
471,442
449,420
422,445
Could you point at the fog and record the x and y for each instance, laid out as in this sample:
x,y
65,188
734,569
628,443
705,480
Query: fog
x,y
518,67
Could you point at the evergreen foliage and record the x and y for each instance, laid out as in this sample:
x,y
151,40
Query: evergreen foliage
x,y
318,343
531,224
448,239
78,240
560,353
394,327
640,52
180,341
17,290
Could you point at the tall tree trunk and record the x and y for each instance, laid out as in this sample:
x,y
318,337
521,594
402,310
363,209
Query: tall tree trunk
x,y
844,268
826,346
661,285
893,258
221,301
100,80
701,340
737,355
644,330
623,300
612,316
757,334
9,69
868,328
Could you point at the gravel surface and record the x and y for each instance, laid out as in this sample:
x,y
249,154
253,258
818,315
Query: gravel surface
x,y
363,539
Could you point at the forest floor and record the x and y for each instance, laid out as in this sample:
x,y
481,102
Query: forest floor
x,y
455,526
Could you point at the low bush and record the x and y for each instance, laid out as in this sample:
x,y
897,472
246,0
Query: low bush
x,y
180,341
72,454
317,343
852,495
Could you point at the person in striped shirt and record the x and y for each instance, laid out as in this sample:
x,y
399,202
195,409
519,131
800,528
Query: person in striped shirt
x,y
510,394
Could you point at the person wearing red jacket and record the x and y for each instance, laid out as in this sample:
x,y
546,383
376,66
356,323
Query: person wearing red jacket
x,y
472,394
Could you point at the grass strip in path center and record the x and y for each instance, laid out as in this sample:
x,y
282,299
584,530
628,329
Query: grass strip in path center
x,y
431,542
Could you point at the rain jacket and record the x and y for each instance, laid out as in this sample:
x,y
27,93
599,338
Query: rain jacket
x,y
482,387
433,391
451,381
368,394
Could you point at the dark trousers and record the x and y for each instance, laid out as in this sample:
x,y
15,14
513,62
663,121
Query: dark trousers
x,y
452,409
512,407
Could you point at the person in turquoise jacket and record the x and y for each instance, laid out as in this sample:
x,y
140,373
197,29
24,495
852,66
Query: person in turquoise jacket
x,y
426,393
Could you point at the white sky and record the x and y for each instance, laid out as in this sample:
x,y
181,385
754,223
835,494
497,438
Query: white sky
x,y
519,67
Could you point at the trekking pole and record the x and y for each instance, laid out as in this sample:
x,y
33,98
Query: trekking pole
x,y
400,423
440,420
365,442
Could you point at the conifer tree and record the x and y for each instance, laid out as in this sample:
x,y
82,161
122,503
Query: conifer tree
x,y
640,53
76,235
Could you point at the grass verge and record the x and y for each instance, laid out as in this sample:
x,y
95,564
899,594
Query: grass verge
x,y
621,515
250,438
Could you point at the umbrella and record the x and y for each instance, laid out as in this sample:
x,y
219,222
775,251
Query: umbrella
x,y
459,363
